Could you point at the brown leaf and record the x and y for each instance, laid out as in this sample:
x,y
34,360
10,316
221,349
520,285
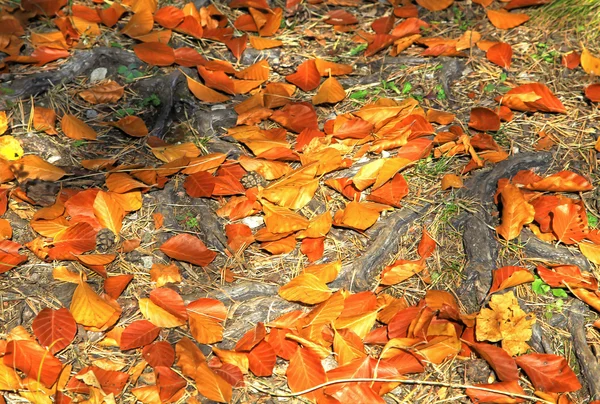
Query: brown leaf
x,y
107,92
516,212
74,128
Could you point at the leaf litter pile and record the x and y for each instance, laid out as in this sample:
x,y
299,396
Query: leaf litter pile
x,y
248,200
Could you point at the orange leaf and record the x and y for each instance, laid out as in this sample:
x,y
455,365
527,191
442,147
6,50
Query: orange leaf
x,y
185,247
155,53
592,92
400,271
500,54
76,239
203,93
359,215
569,223
259,43
159,353
484,119
307,76
190,26
44,120
138,334
532,97
211,385
115,285
313,248
132,125
509,276
33,360
502,19
109,212
516,212
54,329
391,193
563,181
589,63
169,16
326,68
426,245
567,275
77,129
331,91
139,24
435,5
451,181
262,359
169,383
283,220
107,92
170,301
205,318
239,236
159,316
305,371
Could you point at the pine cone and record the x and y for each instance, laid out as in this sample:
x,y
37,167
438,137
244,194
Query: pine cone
x,y
253,179
105,240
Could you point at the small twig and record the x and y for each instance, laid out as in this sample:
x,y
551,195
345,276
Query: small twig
x,y
403,381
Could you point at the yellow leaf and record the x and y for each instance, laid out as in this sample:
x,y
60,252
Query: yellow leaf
x,y
10,148
305,288
89,309
591,252
506,322
159,316
400,271
589,63
282,220
359,215
360,324
378,172
317,227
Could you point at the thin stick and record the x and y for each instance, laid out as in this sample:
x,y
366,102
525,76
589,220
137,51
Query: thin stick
x,y
404,381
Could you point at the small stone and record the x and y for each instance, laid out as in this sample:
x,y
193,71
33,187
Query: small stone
x,y
147,262
98,74
253,221
91,114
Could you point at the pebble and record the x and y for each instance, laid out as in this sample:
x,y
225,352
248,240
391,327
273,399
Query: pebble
x,y
91,114
147,262
98,74
253,221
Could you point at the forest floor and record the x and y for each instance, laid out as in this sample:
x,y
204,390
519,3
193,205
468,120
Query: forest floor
x,y
253,262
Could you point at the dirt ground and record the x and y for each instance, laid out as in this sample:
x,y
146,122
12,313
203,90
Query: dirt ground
x,y
248,282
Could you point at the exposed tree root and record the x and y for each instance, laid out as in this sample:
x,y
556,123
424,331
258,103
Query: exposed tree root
x,y
590,368
81,63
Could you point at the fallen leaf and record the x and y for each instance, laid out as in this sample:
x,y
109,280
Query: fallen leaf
x,y
516,212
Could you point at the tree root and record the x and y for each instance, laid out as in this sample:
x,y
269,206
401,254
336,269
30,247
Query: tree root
x,y
79,64
590,368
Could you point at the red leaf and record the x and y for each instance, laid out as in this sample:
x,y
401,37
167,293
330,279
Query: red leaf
x,y
252,338
500,54
549,373
138,334
262,359
531,98
169,300
231,374
283,347
111,381
200,185
76,239
185,247
169,16
168,382
54,329
569,275
296,117
482,396
340,17
502,363
159,353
